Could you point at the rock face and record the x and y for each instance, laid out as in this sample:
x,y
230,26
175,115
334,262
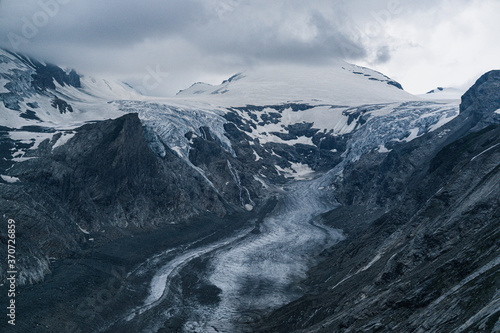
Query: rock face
x,y
33,78
482,99
104,182
45,75
423,227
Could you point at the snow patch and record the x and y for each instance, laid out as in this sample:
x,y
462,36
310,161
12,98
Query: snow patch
x,y
30,137
370,264
297,171
63,139
302,171
257,157
82,230
3,82
481,153
322,118
382,149
10,179
22,159
413,134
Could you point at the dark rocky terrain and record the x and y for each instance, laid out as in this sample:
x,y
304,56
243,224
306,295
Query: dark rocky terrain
x,y
105,181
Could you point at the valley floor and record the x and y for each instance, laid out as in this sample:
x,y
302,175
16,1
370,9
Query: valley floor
x,y
215,275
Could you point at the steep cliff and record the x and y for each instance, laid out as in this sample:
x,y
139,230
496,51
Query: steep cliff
x,y
104,182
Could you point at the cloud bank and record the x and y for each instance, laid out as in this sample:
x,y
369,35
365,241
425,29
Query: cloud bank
x,y
193,40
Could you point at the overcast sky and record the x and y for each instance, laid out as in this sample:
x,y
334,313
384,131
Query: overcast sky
x,y
422,44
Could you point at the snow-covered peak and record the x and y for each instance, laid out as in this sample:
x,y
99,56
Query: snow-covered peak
x,y
340,83
33,93
101,88
196,89
39,77
443,93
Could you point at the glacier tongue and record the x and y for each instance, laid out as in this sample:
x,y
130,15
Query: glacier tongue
x,y
256,272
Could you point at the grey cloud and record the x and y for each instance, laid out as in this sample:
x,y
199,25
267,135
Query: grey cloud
x,y
383,55
303,33
112,22
195,35
211,37
250,29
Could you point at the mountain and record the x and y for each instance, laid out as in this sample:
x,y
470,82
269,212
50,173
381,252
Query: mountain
x,y
285,199
443,93
340,83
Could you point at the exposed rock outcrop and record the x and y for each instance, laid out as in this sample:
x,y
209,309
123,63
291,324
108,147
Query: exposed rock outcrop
x,y
104,183
483,99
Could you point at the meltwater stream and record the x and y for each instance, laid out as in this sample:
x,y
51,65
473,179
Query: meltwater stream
x,y
255,272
